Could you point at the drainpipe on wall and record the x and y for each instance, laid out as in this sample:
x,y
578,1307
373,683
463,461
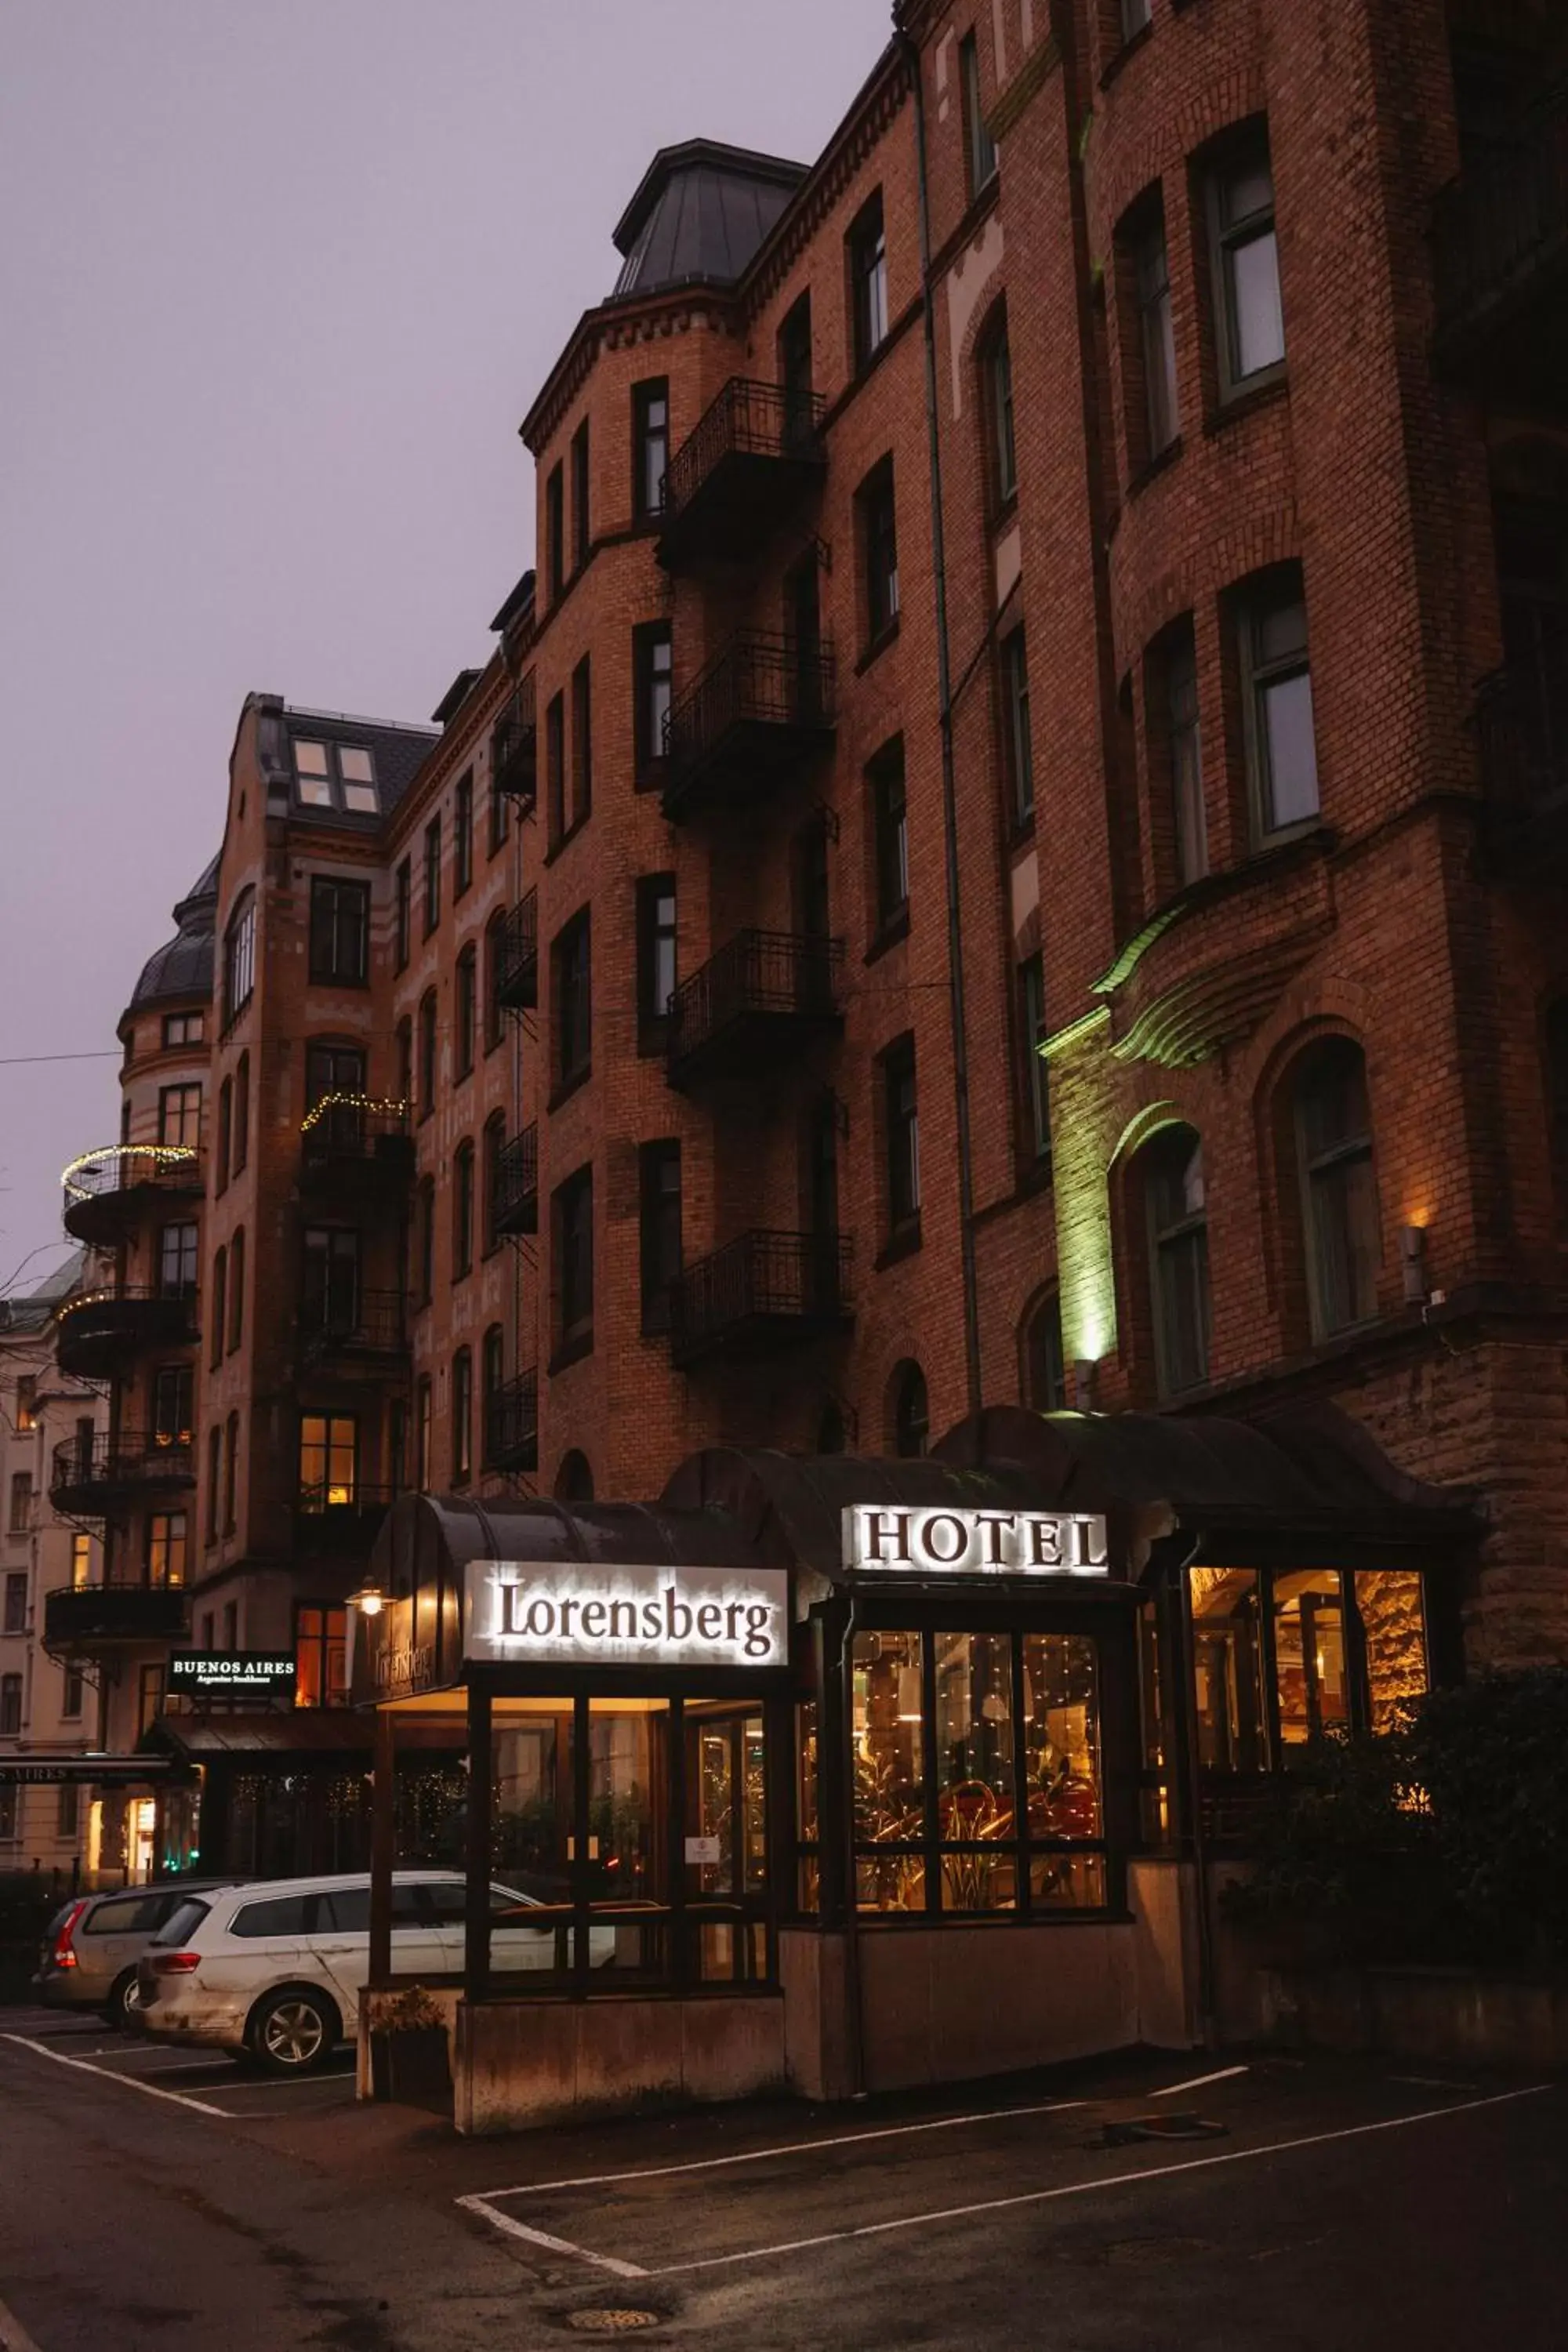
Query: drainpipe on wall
x,y
949,786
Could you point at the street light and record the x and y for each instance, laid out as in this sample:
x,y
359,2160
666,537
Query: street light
x,y
370,1600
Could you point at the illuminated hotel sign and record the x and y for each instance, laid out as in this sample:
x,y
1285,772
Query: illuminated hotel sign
x,y
889,1539
588,1613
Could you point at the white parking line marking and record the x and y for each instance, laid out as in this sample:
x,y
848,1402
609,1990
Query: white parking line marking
x,y
789,2147
552,2245
1084,2188
1197,2081
106,2075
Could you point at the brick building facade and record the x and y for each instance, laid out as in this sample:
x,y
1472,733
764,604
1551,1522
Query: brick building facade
x,y
831,974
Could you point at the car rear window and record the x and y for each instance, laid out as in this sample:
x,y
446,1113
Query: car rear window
x,y
126,1915
186,1914
282,1915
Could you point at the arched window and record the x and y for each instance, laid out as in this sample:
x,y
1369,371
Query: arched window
x,y
462,1417
230,1472
463,1021
462,1210
574,1479
494,1145
225,1132
1045,1372
219,1306
236,1289
242,1113
1557,1107
240,958
1176,1211
492,1374
428,1052
1339,1189
996,379
910,1414
495,934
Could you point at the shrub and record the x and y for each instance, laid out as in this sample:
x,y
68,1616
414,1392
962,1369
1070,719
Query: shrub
x,y
1444,1840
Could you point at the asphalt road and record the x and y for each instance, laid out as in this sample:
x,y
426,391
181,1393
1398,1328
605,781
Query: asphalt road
x,y
150,2201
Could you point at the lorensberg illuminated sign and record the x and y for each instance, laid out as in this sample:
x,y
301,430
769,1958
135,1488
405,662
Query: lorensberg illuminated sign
x,y
891,1539
580,1612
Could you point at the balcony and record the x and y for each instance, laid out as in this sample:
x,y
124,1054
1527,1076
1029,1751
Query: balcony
x,y
762,999
1521,726
512,1424
102,1331
109,1193
514,1205
365,1334
88,1620
754,456
1499,236
356,1143
517,953
514,748
92,1478
760,1291
757,717
339,1522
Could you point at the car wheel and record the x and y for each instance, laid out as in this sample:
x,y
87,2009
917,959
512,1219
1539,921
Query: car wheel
x,y
293,2030
125,2003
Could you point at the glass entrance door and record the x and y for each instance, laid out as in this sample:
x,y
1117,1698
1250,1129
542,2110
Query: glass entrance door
x,y
725,1859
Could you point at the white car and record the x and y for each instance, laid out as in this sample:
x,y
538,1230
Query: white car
x,y
274,1970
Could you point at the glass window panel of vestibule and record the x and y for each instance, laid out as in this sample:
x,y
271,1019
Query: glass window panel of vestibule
x,y
976,1774
632,1833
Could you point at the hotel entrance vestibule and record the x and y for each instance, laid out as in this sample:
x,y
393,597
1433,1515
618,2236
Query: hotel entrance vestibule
x,y
837,1774
638,1827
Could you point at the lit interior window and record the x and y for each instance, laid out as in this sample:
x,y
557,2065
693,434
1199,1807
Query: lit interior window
x,y
314,774
358,779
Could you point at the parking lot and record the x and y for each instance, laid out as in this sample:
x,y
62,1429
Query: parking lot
x,y
205,2081
1133,2204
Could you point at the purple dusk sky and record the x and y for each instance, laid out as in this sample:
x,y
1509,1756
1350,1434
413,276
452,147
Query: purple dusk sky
x,y
277,283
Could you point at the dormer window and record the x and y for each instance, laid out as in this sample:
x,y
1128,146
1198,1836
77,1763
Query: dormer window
x,y
335,775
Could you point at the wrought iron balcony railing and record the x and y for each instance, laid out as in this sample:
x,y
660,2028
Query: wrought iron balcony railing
x,y
90,1620
1500,249
515,1201
512,1424
90,1475
338,1522
99,1331
1521,726
752,454
108,1190
764,995
359,1137
514,747
761,710
517,951
366,1324
762,1290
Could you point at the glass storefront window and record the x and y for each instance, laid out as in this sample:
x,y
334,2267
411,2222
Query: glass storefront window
x,y
1061,1736
529,1827
1228,1669
1308,1656
1390,1605
975,1791
889,1747
954,1790
1276,1666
